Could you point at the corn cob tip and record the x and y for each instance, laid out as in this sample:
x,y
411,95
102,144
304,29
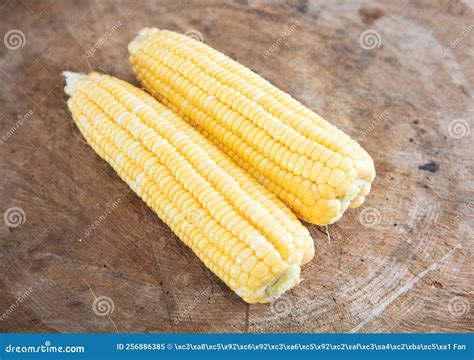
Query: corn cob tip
x,y
142,34
133,45
71,80
286,281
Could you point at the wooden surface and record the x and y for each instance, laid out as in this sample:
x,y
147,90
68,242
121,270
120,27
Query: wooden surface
x,y
83,241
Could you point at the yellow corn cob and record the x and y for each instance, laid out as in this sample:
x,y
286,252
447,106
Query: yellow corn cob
x,y
312,166
239,229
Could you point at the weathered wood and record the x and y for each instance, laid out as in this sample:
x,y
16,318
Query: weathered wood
x,y
401,263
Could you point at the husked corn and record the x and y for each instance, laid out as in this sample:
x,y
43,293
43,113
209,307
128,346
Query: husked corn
x,y
239,229
311,165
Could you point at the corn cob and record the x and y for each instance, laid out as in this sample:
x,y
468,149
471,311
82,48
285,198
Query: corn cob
x,y
312,166
240,230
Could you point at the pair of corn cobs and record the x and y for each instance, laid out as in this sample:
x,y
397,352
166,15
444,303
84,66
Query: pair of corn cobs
x,y
221,157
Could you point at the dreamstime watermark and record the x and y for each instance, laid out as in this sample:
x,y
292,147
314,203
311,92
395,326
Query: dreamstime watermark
x,y
281,307
155,93
103,306
423,210
370,39
194,34
14,39
17,303
189,308
465,32
106,36
105,129
370,217
419,211
458,128
193,217
382,117
47,348
277,43
22,118
446,229
458,306
14,217
279,131
429,213
88,231
300,307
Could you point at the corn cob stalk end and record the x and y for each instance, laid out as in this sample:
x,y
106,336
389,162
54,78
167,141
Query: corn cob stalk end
x,y
71,80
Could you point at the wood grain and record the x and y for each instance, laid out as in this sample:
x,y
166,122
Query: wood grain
x,y
401,263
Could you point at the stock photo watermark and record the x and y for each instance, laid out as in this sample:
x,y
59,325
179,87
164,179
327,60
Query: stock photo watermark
x,y
279,131
194,34
193,217
14,39
281,307
14,217
459,128
378,118
275,46
45,348
22,119
370,217
90,229
103,306
458,306
190,307
103,39
370,39
464,33
17,303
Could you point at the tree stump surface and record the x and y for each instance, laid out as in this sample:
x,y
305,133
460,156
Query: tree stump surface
x,y
79,252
